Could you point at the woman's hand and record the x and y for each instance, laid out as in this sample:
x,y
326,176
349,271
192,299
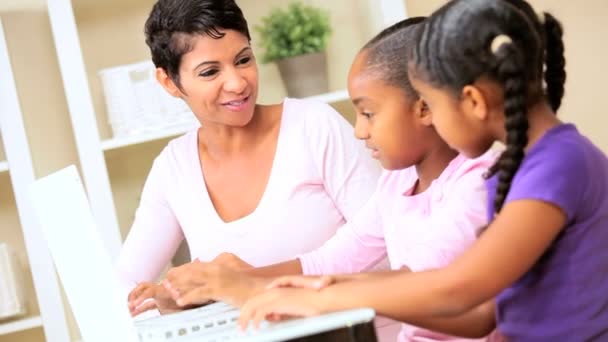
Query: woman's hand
x,y
197,283
231,261
148,296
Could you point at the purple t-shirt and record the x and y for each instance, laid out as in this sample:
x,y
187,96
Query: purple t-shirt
x,y
564,296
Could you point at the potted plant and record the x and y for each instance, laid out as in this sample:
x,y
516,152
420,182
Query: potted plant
x,y
295,38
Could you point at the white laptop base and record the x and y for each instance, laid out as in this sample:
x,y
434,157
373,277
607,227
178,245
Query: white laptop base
x,y
218,322
93,289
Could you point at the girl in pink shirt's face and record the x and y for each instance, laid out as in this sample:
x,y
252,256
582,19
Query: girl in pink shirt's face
x,y
392,119
389,117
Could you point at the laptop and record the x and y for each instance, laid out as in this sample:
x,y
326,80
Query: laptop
x,y
94,292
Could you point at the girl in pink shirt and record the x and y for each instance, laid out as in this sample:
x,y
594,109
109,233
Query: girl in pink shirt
x,y
428,207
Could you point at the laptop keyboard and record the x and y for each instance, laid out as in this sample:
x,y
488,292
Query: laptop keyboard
x,y
218,322
211,323
214,322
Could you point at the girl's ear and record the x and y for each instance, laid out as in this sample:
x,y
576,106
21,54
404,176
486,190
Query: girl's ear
x,y
474,103
167,83
421,110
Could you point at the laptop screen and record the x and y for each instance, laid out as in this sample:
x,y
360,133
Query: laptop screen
x,y
83,265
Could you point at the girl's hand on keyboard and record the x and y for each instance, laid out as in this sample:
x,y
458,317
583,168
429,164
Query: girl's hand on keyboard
x,y
279,303
148,296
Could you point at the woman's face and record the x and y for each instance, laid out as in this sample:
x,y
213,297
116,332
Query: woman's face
x,y
387,118
219,79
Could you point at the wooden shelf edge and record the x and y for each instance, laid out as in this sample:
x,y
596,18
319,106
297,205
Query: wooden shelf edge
x,y
10,327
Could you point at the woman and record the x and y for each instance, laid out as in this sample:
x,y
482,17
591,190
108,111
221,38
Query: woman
x,y
252,175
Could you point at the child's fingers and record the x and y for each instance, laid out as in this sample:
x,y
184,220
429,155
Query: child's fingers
x,y
257,309
260,315
247,312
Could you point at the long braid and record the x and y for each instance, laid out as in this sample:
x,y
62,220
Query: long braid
x,y
510,73
555,73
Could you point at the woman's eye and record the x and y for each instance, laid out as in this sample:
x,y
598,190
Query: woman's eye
x,y
244,60
208,73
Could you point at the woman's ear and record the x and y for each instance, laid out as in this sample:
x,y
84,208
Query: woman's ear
x,y
421,109
474,103
167,83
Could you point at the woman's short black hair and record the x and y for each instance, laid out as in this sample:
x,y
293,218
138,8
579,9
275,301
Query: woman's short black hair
x,y
172,23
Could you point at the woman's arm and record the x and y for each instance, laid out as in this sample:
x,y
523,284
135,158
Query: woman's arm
x,y
154,236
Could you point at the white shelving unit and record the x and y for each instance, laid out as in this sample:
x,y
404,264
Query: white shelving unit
x,y
116,143
48,294
3,166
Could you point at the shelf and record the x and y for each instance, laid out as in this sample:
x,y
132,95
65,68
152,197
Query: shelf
x,y
3,166
20,325
333,97
116,143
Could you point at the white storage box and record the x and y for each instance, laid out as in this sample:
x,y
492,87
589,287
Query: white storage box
x,y
12,300
137,103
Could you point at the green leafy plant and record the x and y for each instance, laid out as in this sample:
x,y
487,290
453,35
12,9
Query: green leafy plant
x,y
299,29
